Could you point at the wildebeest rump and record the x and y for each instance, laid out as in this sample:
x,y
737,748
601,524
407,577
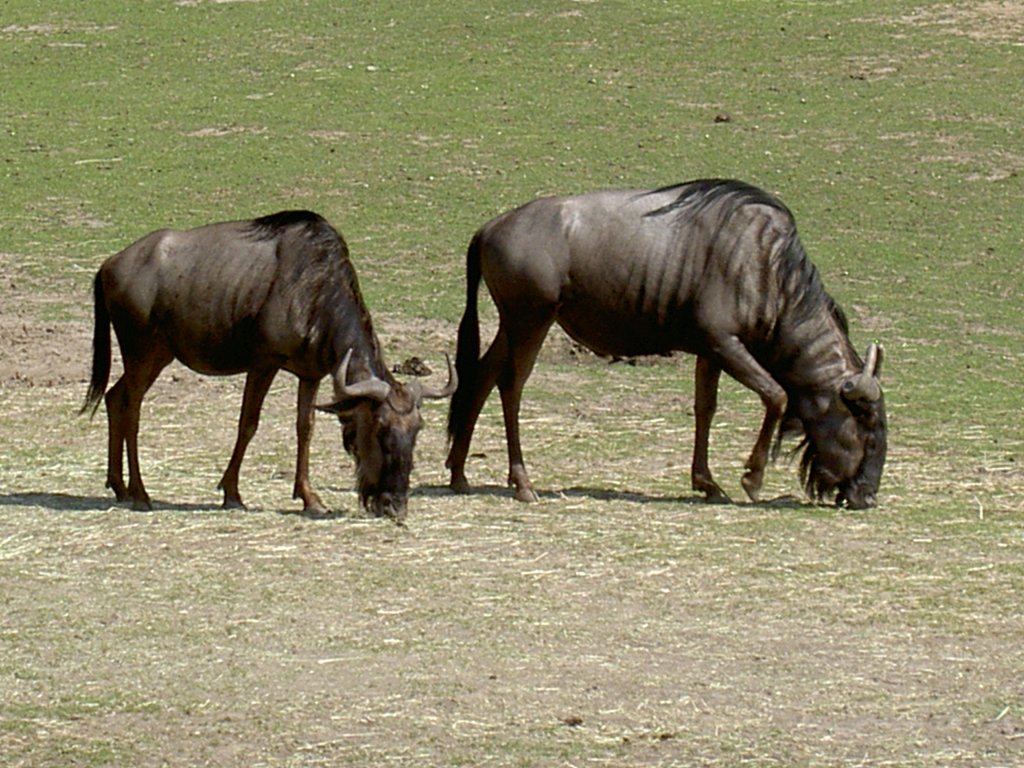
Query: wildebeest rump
x,y
256,296
711,267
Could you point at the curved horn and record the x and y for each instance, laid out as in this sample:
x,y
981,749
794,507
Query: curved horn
x,y
431,393
865,386
449,389
874,360
372,388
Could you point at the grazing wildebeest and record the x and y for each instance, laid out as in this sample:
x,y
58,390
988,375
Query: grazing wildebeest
x,y
255,297
710,267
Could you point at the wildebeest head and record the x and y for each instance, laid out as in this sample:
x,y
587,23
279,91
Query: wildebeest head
x,y
380,421
845,438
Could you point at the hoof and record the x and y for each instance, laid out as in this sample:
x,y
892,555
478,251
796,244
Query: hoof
x,y
234,504
751,483
712,493
312,506
119,489
316,509
716,497
142,505
459,485
527,494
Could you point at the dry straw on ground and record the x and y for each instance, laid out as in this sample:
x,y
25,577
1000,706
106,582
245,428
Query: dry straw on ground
x,y
617,622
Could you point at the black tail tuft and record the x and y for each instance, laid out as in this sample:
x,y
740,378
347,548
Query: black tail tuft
x,y
467,355
100,351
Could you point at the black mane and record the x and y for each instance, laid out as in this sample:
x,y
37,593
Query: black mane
x,y
703,193
315,225
809,305
283,219
801,284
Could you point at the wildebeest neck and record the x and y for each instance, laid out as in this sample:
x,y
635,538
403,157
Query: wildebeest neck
x,y
810,349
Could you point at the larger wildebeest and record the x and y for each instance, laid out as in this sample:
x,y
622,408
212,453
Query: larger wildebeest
x,y
710,267
255,297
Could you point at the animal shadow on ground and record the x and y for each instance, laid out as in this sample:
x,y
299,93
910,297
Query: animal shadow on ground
x,y
63,502
330,514
607,494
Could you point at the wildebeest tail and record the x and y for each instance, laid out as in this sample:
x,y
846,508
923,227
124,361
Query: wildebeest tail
x,y
100,350
467,354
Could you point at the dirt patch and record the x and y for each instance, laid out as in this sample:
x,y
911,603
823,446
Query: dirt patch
x,y
1001,21
52,29
225,130
39,352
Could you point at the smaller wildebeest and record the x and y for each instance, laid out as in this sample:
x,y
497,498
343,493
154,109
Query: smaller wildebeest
x,y
709,267
255,297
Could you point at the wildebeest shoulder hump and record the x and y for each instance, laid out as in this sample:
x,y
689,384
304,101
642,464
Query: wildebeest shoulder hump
x,y
267,227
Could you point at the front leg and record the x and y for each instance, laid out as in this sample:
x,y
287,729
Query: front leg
x,y
257,384
311,503
737,361
774,408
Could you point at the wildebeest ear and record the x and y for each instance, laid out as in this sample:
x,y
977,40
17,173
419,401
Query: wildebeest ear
x,y
860,389
864,386
341,407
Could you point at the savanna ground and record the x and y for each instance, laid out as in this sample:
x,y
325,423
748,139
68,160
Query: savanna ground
x,y
618,621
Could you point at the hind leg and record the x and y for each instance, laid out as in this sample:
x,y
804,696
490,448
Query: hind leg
x,y
524,343
705,402
488,369
124,403
115,403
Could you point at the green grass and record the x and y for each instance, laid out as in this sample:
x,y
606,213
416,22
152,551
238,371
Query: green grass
x,y
410,126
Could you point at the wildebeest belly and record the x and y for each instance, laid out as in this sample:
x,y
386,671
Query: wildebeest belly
x,y
627,290
615,326
226,336
234,349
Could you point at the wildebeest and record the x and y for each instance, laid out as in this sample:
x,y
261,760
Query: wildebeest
x,y
709,267
258,296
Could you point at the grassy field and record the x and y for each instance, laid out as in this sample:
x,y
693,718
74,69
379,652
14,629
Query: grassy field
x,y
618,621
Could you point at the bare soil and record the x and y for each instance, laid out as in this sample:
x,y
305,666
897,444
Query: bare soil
x,y
37,353
1000,21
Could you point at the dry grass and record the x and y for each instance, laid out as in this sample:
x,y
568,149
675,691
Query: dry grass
x,y
616,622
